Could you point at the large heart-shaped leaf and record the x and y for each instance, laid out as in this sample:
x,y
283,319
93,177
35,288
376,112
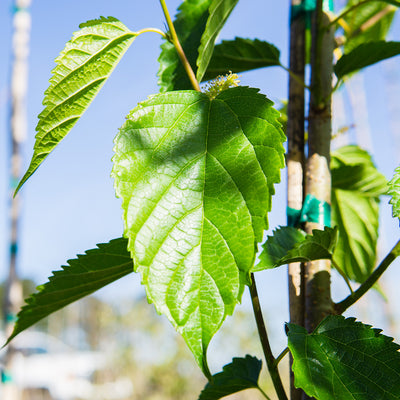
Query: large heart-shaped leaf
x,y
364,55
82,69
241,55
394,191
362,24
240,374
288,245
218,14
356,185
189,24
196,176
344,359
83,276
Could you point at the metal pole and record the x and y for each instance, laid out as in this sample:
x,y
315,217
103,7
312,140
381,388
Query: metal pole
x,y
18,129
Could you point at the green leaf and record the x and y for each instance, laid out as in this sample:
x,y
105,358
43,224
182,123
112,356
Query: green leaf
x,y
289,245
192,216
82,69
189,23
346,360
219,13
394,191
240,374
241,55
365,55
356,187
83,276
362,24
353,169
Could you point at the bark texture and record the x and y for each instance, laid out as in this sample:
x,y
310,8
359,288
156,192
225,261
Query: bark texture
x,y
318,301
295,169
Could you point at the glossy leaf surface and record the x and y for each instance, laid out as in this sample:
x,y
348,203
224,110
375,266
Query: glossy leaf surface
x,y
344,359
356,185
84,275
241,55
364,55
289,245
218,14
196,177
189,23
82,69
362,24
240,374
394,191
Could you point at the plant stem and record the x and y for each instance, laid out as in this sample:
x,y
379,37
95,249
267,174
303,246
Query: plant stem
x,y
283,354
155,30
299,79
263,393
262,332
373,278
343,275
179,49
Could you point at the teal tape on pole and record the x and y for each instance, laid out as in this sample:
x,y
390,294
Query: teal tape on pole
x,y
306,7
313,210
11,318
6,377
293,217
13,248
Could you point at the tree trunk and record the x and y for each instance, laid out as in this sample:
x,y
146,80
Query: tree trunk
x,y
318,301
295,168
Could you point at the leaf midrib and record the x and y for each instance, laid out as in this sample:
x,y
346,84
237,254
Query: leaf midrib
x,y
98,53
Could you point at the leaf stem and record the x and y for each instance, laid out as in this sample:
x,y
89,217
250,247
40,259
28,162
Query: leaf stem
x,y
262,332
155,30
263,393
296,77
175,41
373,278
342,274
283,354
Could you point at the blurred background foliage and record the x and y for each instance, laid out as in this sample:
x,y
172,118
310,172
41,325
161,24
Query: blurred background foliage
x,y
143,349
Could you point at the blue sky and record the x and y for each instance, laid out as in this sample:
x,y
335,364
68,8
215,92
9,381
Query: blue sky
x,y
69,204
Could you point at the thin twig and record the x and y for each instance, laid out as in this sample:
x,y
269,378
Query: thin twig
x,y
262,332
351,299
179,49
343,275
283,354
296,77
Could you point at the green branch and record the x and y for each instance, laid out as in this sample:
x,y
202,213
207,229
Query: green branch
x,y
262,332
351,299
179,49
